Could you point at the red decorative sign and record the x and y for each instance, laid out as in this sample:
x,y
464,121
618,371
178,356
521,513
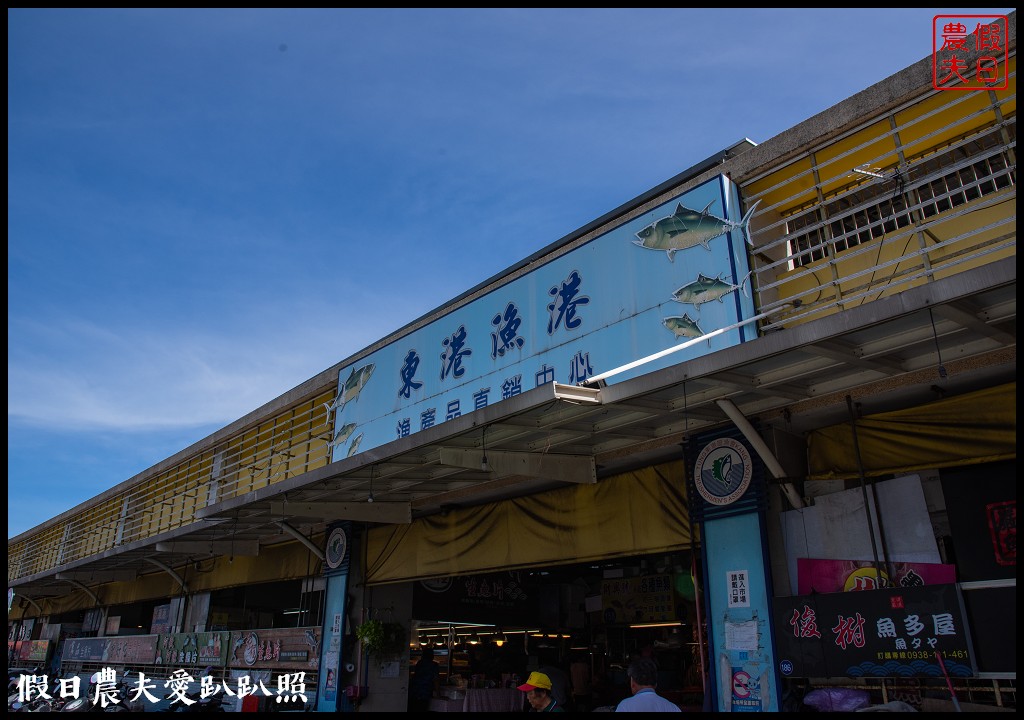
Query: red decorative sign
x,y
970,52
1002,526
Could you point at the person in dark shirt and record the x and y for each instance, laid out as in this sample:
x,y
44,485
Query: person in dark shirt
x,y
560,690
425,675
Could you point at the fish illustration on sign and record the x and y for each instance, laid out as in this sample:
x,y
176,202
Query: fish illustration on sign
x,y
683,326
705,289
314,645
357,379
343,434
686,228
355,445
720,470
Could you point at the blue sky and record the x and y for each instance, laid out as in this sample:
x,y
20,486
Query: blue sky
x,y
208,207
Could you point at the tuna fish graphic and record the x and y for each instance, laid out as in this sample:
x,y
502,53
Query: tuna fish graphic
x,y
705,289
683,326
355,445
686,228
343,434
357,379
720,469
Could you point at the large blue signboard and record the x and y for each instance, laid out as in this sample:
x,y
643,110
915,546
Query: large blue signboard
x,y
670,275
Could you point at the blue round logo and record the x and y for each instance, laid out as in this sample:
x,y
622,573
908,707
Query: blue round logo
x,y
722,472
337,545
786,667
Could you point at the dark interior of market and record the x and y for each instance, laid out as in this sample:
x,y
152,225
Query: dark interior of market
x,y
592,619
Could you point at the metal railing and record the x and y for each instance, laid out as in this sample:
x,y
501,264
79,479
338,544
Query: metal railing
x,y
837,230
289,444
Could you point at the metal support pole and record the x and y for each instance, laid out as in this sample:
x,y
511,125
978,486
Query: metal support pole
x,y
864,491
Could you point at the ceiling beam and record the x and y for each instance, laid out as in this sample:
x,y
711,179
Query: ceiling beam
x,y
850,355
548,466
468,495
962,314
382,512
755,385
238,548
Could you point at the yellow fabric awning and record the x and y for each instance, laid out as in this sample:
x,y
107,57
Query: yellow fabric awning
x,y
968,429
638,512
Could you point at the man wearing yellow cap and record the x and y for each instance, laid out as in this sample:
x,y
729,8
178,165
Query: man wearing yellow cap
x,y
538,693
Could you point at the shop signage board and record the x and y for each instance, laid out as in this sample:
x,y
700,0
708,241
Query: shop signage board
x,y
638,599
500,598
894,632
829,576
209,648
138,649
275,648
675,272
29,650
161,620
93,620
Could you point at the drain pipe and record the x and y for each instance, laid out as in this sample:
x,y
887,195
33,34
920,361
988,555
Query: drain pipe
x,y
770,462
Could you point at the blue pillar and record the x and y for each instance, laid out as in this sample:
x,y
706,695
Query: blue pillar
x,y
728,500
336,571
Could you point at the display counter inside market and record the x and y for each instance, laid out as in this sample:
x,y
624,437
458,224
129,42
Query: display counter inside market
x,y
479,700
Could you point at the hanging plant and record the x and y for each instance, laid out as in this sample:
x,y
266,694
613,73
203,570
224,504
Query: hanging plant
x,y
381,639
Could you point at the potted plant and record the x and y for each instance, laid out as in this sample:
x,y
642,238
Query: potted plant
x,y
381,639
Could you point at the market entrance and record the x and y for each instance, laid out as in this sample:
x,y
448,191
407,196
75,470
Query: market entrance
x,y
580,623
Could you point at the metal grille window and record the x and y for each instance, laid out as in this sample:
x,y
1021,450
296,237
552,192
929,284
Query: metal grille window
x,y
988,175
968,170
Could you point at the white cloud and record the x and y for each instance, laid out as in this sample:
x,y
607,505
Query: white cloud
x,y
158,378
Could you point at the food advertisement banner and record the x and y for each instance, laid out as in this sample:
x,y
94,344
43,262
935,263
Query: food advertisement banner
x,y
638,599
829,576
29,650
193,649
276,648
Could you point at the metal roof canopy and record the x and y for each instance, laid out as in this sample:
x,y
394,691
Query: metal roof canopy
x,y
886,353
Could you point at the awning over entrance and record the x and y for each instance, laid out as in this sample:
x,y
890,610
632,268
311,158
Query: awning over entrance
x,y
964,430
882,354
644,511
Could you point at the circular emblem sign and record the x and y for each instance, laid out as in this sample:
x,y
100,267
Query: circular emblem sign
x,y
437,585
723,470
337,544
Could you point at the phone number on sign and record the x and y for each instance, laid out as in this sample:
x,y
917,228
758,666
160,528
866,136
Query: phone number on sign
x,y
920,655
